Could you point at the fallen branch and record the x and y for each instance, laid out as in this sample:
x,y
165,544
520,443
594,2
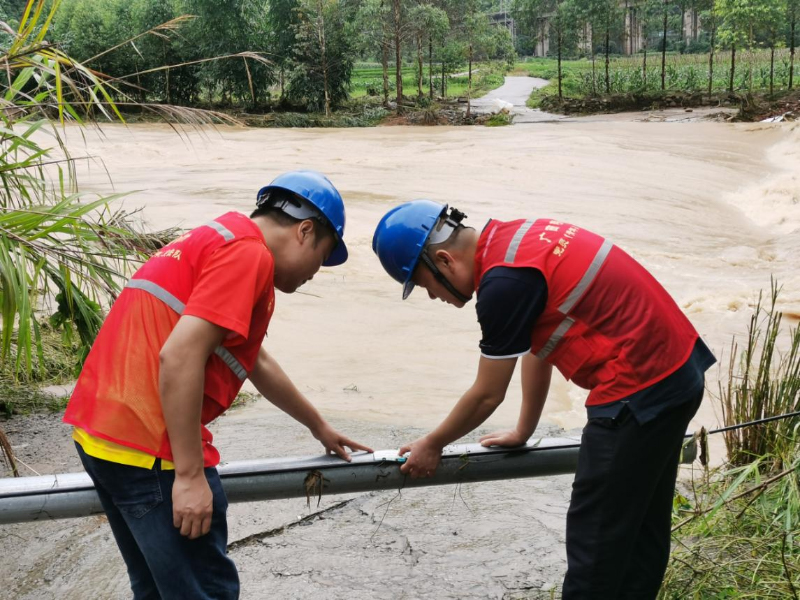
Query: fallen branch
x,y
9,454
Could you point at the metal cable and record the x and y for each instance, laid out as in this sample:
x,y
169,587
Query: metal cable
x,y
758,422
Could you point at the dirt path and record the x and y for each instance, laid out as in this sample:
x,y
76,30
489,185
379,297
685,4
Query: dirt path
x,y
516,90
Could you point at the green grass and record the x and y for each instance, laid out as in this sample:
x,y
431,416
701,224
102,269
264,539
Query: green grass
x,y
499,120
740,541
19,392
683,73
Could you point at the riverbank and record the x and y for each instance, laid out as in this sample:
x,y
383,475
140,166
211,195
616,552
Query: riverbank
x,y
747,108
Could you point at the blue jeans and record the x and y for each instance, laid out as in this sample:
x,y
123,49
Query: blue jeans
x,y
161,562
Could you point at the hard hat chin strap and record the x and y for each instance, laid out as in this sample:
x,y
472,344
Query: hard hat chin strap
x,y
446,226
442,279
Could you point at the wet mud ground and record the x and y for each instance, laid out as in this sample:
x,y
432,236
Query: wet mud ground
x,y
481,540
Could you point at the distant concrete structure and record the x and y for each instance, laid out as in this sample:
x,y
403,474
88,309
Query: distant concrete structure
x,y
504,19
691,26
585,38
542,47
633,38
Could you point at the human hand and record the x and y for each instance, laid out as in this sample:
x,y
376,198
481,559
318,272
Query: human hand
x,y
192,505
424,458
335,442
508,438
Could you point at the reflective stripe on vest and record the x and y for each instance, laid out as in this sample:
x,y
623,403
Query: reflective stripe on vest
x,y
574,295
167,298
226,233
511,253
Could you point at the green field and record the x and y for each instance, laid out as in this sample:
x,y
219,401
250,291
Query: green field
x,y
683,73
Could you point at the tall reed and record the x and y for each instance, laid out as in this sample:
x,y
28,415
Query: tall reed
x,y
762,382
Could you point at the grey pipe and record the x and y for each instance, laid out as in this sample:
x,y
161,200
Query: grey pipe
x,y
72,494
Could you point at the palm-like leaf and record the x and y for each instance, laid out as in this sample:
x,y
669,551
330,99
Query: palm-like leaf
x,y
56,246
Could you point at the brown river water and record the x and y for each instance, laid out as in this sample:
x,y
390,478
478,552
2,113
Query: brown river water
x,y
712,209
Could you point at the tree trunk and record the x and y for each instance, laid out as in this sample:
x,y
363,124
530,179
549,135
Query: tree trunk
x,y
385,68
430,67
711,54
444,79
644,65
420,65
324,56
398,56
608,38
733,66
560,39
664,51
791,52
327,91
166,75
142,98
594,64
469,84
771,68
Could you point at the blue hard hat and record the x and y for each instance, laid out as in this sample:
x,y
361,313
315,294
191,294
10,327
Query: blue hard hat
x,y
401,236
318,191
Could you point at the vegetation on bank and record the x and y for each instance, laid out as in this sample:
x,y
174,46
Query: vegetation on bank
x,y
684,73
367,108
688,78
736,527
63,254
487,75
23,393
694,47
281,56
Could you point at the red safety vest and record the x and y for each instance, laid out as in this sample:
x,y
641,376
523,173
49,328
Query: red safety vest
x,y
608,325
117,395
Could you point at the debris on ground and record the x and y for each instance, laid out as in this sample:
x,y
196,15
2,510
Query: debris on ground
x,y
790,116
436,115
499,106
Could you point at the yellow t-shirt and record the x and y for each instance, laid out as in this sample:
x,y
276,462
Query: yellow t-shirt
x,y
116,453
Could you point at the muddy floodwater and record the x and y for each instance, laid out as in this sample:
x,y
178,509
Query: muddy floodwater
x,y
712,209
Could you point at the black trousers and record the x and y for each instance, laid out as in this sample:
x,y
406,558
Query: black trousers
x,y
619,518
